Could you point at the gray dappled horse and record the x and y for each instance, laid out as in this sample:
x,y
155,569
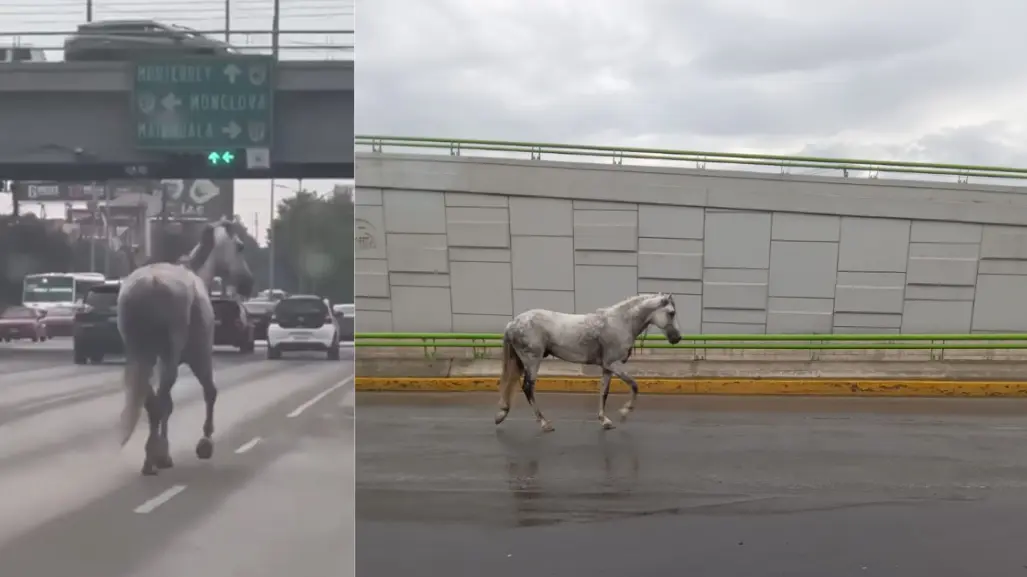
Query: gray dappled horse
x,y
603,338
166,318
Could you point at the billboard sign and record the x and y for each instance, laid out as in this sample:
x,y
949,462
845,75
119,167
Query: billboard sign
x,y
190,199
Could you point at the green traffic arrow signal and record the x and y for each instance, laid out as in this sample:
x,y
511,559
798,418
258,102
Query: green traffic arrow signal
x,y
216,158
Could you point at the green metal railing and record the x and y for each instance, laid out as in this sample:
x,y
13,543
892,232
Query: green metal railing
x,y
480,342
617,155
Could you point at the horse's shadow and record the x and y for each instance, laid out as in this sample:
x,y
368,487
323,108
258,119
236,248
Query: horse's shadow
x,y
564,494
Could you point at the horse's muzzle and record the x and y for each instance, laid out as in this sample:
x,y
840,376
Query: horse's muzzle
x,y
673,337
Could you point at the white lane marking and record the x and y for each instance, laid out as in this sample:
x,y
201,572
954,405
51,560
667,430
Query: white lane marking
x,y
299,410
159,500
247,445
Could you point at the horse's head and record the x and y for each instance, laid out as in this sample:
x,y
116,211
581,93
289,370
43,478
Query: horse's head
x,y
221,250
664,315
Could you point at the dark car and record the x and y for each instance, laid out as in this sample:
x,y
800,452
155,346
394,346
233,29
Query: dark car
x,y
124,39
259,311
22,323
345,314
95,328
59,321
231,324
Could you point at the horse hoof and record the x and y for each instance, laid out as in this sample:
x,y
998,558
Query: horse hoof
x,y
624,414
548,428
149,470
608,424
501,416
164,462
205,448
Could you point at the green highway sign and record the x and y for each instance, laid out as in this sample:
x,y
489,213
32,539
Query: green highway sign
x,y
202,104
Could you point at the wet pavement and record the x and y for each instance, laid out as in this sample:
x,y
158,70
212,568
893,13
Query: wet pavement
x,y
275,499
697,486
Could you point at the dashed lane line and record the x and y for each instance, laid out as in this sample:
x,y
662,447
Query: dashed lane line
x,y
152,504
245,447
299,410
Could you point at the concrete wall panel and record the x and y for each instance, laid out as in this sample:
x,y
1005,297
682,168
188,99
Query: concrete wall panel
x,y
602,286
414,212
660,221
478,227
606,230
541,216
542,262
737,240
874,245
806,227
803,269
482,288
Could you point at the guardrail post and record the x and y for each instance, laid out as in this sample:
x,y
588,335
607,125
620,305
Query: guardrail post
x,y
429,350
536,153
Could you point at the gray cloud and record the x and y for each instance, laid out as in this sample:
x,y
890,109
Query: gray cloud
x,y
680,71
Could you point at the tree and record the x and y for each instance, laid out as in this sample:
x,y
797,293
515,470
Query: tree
x,y
312,242
30,245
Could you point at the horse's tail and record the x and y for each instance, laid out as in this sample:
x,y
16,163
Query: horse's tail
x,y
513,370
142,324
137,387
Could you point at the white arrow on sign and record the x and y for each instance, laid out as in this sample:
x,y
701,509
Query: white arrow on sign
x,y
170,102
232,130
232,72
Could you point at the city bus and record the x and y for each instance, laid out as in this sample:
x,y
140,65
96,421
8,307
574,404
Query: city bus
x,y
58,289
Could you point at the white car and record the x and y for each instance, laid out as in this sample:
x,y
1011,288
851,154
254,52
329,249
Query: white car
x,y
303,323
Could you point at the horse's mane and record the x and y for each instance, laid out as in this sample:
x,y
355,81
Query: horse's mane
x,y
628,303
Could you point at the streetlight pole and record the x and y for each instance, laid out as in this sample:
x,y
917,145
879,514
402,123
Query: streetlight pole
x,y
272,246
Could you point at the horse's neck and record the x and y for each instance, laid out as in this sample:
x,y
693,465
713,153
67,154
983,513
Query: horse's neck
x,y
204,270
636,313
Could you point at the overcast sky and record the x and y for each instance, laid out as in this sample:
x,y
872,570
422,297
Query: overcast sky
x,y
44,23
909,79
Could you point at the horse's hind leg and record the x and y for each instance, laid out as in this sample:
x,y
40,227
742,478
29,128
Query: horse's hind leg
x,y
604,392
168,374
152,460
204,371
531,366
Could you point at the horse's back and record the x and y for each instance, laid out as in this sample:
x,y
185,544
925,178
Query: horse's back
x,y
153,303
551,325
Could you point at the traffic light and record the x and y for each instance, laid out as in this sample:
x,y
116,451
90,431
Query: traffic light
x,y
221,158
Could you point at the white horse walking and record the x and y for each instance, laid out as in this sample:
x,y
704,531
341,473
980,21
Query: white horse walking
x,y
603,338
166,318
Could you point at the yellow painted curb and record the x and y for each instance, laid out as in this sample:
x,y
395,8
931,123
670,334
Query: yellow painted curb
x,y
813,387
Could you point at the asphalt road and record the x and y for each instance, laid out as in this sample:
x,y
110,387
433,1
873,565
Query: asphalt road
x,y
276,499
697,486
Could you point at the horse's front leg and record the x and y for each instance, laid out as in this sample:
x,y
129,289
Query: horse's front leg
x,y
202,367
604,391
617,368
